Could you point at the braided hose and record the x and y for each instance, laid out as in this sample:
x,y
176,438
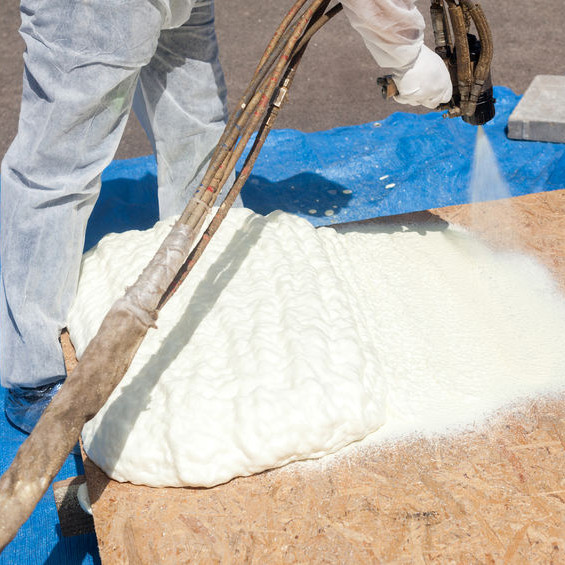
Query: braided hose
x,y
482,68
464,70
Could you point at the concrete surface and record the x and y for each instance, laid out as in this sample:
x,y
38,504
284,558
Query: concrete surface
x,y
335,85
540,114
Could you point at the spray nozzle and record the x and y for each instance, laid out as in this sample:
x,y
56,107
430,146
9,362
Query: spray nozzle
x,y
467,57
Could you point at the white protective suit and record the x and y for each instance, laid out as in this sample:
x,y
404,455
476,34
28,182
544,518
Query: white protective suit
x,y
86,63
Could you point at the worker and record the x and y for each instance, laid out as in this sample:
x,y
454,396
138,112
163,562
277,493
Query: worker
x,y
86,65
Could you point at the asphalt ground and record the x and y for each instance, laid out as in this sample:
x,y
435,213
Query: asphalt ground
x,y
336,82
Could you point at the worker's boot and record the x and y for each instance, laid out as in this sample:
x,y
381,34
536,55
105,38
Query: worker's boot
x,y
24,406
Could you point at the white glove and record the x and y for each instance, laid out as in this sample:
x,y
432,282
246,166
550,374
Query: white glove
x,y
393,31
426,82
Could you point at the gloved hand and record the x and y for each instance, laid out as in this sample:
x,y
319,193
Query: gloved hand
x,y
393,31
426,82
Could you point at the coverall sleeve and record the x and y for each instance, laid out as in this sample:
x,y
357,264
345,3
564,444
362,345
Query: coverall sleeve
x,y
393,31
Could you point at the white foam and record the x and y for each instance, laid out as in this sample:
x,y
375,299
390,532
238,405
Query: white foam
x,y
287,342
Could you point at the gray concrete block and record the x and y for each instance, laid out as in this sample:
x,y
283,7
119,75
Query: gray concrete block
x,y
540,114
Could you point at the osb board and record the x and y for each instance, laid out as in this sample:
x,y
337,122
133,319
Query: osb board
x,y
493,495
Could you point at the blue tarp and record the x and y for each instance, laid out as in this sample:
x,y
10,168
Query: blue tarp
x,y
401,164
39,540
404,163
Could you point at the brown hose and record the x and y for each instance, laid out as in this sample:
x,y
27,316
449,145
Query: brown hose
x,y
464,71
109,354
266,126
482,68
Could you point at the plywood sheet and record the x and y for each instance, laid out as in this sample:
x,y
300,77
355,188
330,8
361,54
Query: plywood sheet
x,y
492,495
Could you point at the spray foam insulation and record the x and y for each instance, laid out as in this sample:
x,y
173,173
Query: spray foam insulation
x,y
491,494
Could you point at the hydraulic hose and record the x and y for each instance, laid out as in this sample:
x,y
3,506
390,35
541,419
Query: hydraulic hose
x,y
109,354
252,115
482,68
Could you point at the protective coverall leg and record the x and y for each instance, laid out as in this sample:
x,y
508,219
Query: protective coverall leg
x,y
83,62
181,103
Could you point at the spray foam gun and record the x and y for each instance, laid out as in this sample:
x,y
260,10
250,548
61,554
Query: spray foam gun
x,y
467,58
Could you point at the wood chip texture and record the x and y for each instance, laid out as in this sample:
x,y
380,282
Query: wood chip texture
x,y
495,494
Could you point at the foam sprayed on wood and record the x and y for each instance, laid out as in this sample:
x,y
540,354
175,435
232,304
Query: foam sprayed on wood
x,y
494,494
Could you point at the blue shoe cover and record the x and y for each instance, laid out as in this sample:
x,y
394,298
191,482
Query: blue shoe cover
x,y
24,406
